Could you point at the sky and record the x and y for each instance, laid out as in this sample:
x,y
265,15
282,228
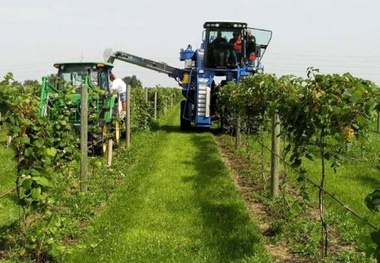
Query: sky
x,y
335,36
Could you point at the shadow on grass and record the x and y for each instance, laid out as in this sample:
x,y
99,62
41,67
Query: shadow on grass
x,y
228,227
12,198
192,129
5,230
369,180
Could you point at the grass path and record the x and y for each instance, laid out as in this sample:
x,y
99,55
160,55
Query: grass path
x,y
178,204
8,207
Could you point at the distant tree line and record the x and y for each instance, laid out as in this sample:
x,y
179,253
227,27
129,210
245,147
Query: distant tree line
x,y
133,81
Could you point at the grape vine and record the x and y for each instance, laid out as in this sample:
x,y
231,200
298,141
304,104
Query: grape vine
x,y
320,114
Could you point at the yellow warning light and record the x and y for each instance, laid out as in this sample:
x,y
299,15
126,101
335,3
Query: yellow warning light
x,y
185,79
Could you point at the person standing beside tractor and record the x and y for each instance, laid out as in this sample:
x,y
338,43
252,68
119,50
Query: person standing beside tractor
x,y
120,87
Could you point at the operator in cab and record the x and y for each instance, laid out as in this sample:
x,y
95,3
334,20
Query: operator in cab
x,y
235,45
220,50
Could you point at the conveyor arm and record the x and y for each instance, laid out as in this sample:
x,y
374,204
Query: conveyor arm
x,y
161,67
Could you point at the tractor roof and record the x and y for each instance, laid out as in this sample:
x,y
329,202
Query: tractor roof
x,y
225,24
97,64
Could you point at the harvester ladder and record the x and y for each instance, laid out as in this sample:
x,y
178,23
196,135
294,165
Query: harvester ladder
x,y
204,91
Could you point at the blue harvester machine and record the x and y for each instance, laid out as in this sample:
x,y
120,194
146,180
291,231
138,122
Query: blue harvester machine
x,y
205,65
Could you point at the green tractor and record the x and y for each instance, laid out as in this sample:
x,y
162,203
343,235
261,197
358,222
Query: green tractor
x,y
104,106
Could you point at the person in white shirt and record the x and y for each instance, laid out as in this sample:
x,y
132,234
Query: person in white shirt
x,y
121,88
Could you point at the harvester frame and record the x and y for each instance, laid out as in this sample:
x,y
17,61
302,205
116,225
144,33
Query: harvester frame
x,y
197,78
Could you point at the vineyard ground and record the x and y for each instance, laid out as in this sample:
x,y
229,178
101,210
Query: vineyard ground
x,y
282,227
122,223
7,178
178,204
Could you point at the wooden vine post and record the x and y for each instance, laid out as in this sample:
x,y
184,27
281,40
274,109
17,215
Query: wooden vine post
x,y
109,152
155,104
275,155
128,118
237,134
84,139
146,100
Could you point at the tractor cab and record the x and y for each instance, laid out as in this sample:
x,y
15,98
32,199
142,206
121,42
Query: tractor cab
x,y
233,44
81,74
105,105
75,73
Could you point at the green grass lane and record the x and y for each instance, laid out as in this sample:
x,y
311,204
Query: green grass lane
x,y
178,204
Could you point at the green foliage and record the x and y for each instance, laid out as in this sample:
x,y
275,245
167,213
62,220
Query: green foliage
x,y
320,115
251,100
337,107
142,104
31,83
372,202
44,150
140,116
133,81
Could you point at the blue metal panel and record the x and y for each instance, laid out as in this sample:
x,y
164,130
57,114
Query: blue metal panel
x,y
202,122
187,53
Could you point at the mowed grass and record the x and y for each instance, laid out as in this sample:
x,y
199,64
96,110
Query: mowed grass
x,y
351,183
178,204
8,204
357,177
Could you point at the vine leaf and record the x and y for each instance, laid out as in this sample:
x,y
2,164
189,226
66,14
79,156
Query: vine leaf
x,y
36,193
51,151
42,181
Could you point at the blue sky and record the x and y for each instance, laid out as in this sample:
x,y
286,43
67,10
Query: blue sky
x,y
335,36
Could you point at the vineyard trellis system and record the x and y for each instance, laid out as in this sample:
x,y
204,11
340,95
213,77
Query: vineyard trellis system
x,y
46,149
40,143
333,196
323,112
